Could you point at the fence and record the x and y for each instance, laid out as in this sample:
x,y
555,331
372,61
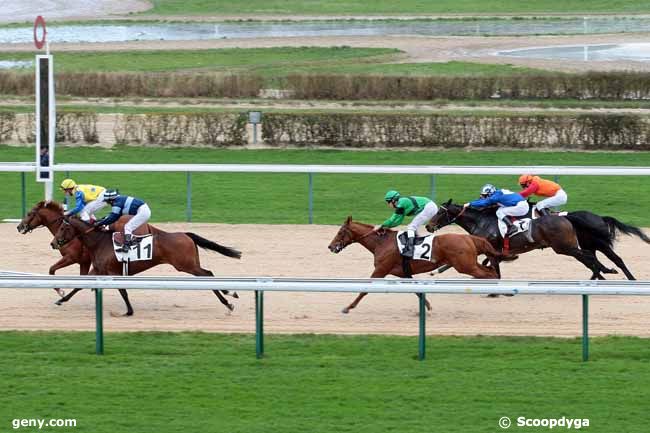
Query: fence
x,y
261,284
310,170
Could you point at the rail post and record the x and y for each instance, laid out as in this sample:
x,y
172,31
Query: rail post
x,y
585,328
311,198
422,333
433,187
259,324
188,210
99,322
23,194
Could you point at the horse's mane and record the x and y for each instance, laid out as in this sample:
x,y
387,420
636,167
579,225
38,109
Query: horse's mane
x,y
52,205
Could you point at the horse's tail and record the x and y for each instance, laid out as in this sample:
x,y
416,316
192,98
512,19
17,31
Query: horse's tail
x,y
484,247
213,246
627,229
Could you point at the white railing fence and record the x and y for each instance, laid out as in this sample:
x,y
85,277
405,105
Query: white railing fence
x,y
261,284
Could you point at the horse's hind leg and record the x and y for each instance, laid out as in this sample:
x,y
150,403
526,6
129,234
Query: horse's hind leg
x,y
224,301
67,297
618,261
125,297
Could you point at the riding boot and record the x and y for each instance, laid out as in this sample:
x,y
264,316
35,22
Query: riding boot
x,y
409,248
511,227
544,212
128,241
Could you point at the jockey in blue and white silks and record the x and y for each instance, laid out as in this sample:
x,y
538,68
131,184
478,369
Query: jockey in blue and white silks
x,y
125,205
510,204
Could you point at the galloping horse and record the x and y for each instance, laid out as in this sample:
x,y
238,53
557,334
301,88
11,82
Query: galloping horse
x,y
177,249
551,231
459,251
50,214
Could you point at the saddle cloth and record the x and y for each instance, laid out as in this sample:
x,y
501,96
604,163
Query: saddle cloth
x,y
142,248
423,245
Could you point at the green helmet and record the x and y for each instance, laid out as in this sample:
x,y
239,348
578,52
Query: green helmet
x,y
391,195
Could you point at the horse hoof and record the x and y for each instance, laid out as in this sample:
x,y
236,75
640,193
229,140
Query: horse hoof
x,y
493,295
235,295
230,307
59,302
346,310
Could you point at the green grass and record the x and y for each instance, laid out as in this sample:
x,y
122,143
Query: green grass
x,y
268,62
349,7
180,382
283,198
265,61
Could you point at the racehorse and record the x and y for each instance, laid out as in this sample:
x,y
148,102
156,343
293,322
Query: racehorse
x,y
177,249
551,231
459,251
50,214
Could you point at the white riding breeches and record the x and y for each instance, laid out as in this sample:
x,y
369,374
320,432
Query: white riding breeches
x,y
519,209
430,209
92,207
141,217
559,199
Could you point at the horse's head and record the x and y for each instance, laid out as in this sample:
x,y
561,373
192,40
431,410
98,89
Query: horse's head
x,y
44,213
446,215
66,232
343,238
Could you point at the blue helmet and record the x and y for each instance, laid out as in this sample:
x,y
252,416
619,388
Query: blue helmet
x,y
487,190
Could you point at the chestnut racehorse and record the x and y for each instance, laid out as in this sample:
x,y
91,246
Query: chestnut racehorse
x,y
457,250
50,214
176,249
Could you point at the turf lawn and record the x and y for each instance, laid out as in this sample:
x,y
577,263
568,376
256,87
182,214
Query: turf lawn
x,y
349,7
193,382
283,198
268,62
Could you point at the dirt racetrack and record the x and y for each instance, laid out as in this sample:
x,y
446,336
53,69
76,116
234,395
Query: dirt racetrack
x,y
301,251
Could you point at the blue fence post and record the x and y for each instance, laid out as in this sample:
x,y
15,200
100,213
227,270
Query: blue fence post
x,y
311,198
188,210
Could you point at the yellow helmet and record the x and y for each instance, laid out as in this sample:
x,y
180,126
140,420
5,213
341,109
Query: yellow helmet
x,y
68,184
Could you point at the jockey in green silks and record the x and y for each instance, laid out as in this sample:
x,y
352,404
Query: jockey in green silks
x,y
422,208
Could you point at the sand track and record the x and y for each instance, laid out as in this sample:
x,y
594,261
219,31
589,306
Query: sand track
x,y
301,251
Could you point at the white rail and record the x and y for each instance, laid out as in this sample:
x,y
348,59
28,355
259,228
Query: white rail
x,y
261,284
358,169
459,286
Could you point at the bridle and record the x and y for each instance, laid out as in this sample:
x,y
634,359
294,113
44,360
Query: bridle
x,y
449,220
29,228
62,242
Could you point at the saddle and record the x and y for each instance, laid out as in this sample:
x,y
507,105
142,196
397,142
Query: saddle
x,y
423,245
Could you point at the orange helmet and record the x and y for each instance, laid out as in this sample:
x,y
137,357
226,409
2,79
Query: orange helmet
x,y
525,179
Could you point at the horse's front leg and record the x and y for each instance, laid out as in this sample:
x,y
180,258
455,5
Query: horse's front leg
x,y
360,296
61,263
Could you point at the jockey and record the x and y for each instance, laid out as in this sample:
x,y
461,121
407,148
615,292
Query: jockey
x,y
125,205
555,195
423,208
510,204
88,198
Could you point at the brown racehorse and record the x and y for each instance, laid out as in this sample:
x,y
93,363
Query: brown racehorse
x,y
459,251
177,249
50,214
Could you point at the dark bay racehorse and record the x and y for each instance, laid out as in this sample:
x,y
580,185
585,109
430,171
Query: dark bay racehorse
x,y
550,231
50,214
459,251
177,249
